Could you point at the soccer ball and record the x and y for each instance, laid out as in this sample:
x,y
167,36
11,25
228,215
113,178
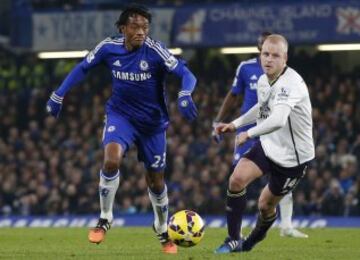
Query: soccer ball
x,y
186,228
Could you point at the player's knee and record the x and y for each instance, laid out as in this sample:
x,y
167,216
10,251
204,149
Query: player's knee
x,y
111,165
157,187
236,183
266,208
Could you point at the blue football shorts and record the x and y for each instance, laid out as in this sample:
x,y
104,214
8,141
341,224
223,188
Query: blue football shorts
x,y
239,150
151,147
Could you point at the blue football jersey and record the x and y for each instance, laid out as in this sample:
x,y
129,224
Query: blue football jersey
x,y
245,82
138,89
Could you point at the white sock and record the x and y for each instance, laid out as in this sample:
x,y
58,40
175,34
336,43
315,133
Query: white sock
x,y
107,190
286,210
160,204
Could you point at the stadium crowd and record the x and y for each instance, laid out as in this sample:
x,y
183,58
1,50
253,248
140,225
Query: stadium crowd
x,y
51,167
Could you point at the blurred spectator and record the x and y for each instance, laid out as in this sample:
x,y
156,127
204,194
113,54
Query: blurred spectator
x,y
333,202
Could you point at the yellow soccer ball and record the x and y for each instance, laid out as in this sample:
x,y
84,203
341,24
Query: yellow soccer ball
x,y
186,228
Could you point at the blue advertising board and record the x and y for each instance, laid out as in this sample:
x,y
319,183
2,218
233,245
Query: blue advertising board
x,y
212,25
147,219
84,30
76,30
240,24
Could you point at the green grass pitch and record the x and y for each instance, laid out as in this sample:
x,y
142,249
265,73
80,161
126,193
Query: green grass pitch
x,y
140,243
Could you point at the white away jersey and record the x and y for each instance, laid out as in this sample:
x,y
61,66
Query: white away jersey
x,y
292,144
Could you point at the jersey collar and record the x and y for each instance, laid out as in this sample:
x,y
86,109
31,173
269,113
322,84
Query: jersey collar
x,y
282,73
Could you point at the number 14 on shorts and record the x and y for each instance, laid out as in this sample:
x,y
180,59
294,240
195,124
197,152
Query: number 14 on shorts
x,y
290,184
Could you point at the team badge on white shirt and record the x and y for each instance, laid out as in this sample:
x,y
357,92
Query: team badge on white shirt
x,y
292,144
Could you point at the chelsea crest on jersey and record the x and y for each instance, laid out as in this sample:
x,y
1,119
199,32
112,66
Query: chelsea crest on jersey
x,y
126,66
137,79
143,65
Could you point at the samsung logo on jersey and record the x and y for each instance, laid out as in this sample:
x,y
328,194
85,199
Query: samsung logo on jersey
x,y
131,76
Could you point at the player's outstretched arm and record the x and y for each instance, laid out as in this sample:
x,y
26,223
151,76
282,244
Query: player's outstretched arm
x,y
54,104
228,103
248,118
186,105
94,57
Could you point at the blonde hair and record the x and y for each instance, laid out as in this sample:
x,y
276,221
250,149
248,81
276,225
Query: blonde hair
x,y
276,38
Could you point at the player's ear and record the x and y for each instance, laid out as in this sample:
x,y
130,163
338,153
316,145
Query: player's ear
x,y
122,29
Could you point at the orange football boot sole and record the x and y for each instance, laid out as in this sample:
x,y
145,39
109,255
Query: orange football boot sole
x,y
96,235
169,248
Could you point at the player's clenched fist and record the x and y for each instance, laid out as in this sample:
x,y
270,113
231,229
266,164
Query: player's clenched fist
x,y
187,107
54,104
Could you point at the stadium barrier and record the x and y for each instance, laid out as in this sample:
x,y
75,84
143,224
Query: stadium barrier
x,y
147,219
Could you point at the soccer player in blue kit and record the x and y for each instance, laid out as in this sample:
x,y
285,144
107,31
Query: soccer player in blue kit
x,y
245,84
136,112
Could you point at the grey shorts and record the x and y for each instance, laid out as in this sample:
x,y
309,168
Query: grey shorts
x,y
282,180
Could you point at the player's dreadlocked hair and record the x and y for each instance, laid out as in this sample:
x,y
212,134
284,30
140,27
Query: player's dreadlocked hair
x,y
130,11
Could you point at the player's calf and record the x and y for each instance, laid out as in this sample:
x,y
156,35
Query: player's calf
x,y
259,232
